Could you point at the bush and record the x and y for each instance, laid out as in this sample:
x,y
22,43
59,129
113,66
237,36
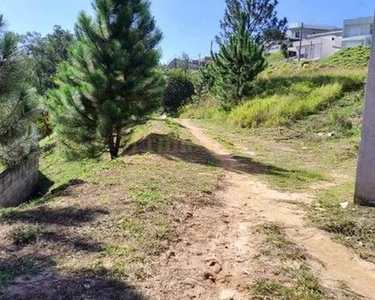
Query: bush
x,y
178,92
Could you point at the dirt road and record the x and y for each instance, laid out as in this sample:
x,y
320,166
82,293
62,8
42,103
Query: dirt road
x,y
216,258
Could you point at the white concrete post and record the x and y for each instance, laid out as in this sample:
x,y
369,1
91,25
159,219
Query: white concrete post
x,y
365,183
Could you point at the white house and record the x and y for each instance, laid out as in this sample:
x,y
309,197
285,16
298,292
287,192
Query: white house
x,y
357,32
318,46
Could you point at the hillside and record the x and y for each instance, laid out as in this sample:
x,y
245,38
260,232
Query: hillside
x,y
286,92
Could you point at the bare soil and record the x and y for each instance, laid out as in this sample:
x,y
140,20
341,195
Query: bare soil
x,y
218,258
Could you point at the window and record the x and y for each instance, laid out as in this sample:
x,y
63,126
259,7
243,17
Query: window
x,y
298,34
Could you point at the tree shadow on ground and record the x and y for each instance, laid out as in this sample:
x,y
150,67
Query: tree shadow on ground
x,y
172,147
64,216
44,184
82,284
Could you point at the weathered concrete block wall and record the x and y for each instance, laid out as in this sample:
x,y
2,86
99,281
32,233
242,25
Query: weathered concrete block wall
x,y
18,183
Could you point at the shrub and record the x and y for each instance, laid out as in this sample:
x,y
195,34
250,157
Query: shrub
x,y
178,92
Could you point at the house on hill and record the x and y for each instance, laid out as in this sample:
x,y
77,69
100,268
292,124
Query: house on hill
x,y
317,46
304,30
357,32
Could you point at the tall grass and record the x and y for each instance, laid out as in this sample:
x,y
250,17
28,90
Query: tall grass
x,y
207,108
274,110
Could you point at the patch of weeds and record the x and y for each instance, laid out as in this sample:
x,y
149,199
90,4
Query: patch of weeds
x,y
353,226
307,287
24,235
119,250
291,283
294,179
226,143
277,244
267,288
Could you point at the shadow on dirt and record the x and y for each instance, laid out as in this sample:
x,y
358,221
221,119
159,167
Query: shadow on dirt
x,y
84,284
171,146
65,216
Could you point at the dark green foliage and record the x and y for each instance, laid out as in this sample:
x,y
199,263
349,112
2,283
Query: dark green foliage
x,y
18,108
178,92
263,24
205,80
237,65
110,82
44,54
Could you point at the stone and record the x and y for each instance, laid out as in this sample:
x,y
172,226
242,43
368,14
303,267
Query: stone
x,y
227,295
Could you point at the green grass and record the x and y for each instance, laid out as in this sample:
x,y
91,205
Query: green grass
x,y
350,57
280,110
282,95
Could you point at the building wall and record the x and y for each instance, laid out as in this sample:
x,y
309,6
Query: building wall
x,y
357,30
18,183
319,47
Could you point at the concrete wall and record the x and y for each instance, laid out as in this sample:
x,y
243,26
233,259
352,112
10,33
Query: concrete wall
x,y
18,183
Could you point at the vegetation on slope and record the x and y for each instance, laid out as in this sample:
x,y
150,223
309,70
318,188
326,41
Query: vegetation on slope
x,y
290,91
282,96
350,57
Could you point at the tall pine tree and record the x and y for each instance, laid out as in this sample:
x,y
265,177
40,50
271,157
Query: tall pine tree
x,y
237,64
263,23
110,81
18,108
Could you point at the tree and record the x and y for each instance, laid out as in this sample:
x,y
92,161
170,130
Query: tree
x,y
206,78
237,64
110,82
183,62
263,23
18,108
178,92
45,54
42,56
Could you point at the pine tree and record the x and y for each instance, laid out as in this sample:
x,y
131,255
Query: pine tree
x,y
110,81
263,23
237,64
18,108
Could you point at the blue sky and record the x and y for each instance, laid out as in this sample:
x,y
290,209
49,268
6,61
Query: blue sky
x,y
188,25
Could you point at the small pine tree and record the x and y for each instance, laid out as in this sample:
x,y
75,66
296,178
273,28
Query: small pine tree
x,y
110,81
237,64
263,23
18,108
